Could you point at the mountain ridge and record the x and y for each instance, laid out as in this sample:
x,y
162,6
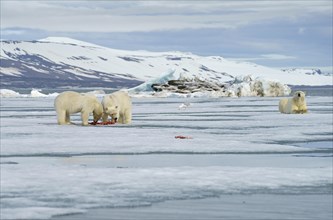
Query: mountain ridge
x,y
58,62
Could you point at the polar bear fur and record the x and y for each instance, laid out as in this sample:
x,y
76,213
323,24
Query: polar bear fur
x,y
70,102
294,105
118,105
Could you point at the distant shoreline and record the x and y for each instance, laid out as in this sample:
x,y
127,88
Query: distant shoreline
x,y
110,89
326,90
305,86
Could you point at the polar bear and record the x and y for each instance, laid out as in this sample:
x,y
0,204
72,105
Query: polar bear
x,y
118,105
294,105
70,102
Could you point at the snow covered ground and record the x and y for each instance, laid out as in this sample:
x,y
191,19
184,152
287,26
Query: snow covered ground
x,y
237,146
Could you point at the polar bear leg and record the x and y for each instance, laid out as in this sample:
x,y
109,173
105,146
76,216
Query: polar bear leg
x,y
61,116
128,116
283,105
121,119
105,117
303,111
293,108
125,117
85,117
68,118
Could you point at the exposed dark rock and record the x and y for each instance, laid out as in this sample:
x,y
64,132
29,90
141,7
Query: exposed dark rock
x,y
175,82
173,58
131,59
181,87
157,87
186,86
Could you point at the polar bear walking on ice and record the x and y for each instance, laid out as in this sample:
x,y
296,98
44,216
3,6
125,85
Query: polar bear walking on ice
x,y
294,105
70,102
118,105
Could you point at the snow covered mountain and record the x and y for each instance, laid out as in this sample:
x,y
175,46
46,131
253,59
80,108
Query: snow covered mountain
x,y
60,62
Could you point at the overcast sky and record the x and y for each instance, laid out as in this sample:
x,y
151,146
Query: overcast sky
x,y
291,33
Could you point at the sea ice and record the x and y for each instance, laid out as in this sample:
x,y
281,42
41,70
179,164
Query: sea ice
x,y
45,170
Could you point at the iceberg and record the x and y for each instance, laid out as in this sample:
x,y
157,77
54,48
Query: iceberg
x,y
37,93
172,84
147,86
8,93
247,86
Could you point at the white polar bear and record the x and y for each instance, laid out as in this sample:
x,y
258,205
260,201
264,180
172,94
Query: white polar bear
x,y
70,102
118,105
294,105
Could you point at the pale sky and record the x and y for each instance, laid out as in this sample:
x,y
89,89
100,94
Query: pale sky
x,y
291,33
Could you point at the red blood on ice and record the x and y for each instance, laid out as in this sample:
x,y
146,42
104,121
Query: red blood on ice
x,y
103,123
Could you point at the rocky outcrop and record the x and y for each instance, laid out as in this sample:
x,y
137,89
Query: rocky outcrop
x,y
185,86
240,86
188,85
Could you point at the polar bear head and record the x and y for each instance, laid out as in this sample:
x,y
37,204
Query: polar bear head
x,y
113,111
299,96
298,103
111,107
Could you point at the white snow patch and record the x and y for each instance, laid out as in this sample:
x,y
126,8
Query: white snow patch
x,y
10,71
66,40
4,93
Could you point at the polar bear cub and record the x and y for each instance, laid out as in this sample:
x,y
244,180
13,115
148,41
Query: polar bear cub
x,y
294,105
70,102
118,105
